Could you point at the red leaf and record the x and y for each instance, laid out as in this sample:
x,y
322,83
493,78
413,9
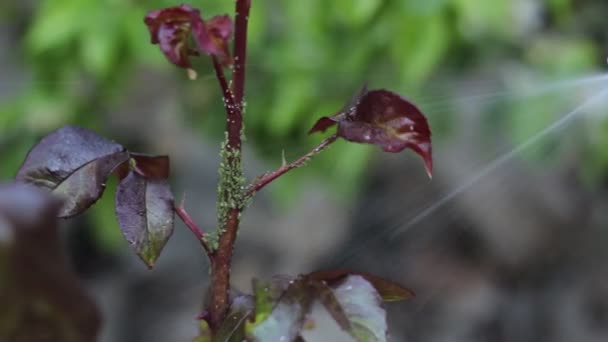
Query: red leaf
x,y
171,27
144,208
73,163
151,167
322,124
383,118
388,290
220,30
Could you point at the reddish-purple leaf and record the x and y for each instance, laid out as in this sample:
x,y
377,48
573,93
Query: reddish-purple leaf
x,y
73,163
383,118
171,28
323,124
220,30
362,306
388,290
151,167
326,122
41,297
145,212
327,297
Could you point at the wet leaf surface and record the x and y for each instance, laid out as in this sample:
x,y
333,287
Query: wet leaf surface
x,y
388,290
362,306
288,309
353,299
383,118
145,212
73,163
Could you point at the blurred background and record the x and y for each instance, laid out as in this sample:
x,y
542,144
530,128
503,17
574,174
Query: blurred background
x,y
506,243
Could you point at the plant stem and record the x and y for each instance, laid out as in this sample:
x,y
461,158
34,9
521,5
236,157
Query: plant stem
x,y
221,258
267,178
191,224
240,50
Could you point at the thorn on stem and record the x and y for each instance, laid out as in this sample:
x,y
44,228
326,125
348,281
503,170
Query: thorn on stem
x,y
283,160
182,202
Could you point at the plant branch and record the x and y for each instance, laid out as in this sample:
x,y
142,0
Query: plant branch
x,y
233,116
194,228
230,191
240,50
267,178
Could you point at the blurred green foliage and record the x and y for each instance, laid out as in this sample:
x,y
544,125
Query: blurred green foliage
x,y
306,59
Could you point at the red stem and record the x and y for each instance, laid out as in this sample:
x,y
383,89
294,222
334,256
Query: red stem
x,y
191,224
234,117
271,176
240,50
221,259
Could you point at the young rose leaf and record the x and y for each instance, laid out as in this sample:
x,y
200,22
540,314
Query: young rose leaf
x,y
151,167
323,124
41,297
145,212
328,121
288,314
329,300
220,31
361,304
171,28
388,290
73,163
233,327
383,118
267,294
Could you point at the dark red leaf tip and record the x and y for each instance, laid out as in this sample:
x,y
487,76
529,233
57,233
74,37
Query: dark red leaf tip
x,y
151,167
322,124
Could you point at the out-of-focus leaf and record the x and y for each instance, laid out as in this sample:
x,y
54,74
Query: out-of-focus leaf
x,y
151,167
233,327
351,298
171,27
266,295
204,332
100,40
292,96
384,118
145,212
329,300
41,297
480,19
428,42
73,163
288,314
362,306
56,24
354,12
388,290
